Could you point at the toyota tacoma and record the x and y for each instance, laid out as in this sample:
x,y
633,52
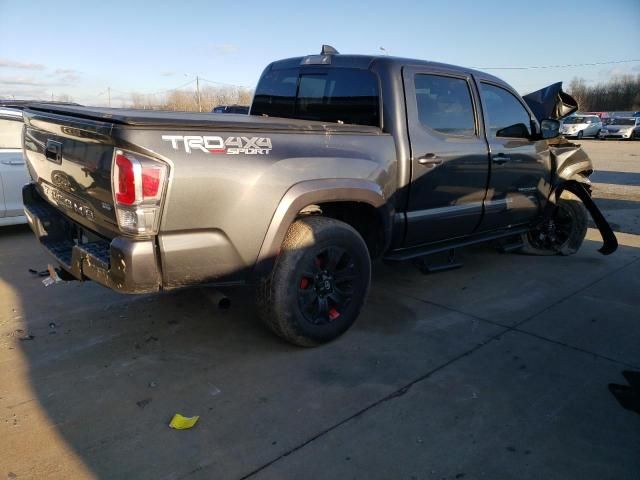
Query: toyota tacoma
x,y
343,159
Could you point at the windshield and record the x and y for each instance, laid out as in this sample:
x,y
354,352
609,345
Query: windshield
x,y
345,95
623,121
574,120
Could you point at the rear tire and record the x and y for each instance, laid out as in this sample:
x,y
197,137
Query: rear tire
x,y
319,283
564,234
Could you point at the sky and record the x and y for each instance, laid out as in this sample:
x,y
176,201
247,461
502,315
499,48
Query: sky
x,y
81,48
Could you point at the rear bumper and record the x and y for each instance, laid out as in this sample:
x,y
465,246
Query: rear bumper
x,y
122,264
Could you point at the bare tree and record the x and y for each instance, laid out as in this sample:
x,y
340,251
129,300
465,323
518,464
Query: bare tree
x,y
64,98
187,100
620,93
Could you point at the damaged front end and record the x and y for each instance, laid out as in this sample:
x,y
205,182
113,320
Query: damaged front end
x,y
571,166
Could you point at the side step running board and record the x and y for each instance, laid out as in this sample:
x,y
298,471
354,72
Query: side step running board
x,y
424,250
451,263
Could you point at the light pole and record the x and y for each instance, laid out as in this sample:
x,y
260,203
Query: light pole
x,y
197,91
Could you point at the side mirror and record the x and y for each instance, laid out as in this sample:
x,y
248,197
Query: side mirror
x,y
549,128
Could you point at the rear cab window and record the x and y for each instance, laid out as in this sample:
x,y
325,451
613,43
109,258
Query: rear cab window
x,y
338,95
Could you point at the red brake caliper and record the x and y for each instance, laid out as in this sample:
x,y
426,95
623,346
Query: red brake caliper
x,y
304,283
333,314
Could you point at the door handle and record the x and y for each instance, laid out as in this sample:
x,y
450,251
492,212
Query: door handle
x,y
430,160
13,162
500,159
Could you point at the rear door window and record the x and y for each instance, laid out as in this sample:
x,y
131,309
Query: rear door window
x,y
445,105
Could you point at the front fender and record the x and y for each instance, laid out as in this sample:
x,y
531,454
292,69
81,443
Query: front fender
x,y
571,162
312,192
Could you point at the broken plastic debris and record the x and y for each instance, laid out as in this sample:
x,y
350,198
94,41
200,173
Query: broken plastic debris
x,y
182,423
53,276
41,273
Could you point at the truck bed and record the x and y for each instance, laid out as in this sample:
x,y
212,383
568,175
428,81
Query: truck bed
x,y
217,121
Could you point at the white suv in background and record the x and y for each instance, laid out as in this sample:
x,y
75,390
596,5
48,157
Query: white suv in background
x,y
581,126
13,172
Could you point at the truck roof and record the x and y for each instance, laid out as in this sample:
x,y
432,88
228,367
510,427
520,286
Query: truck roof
x,y
367,62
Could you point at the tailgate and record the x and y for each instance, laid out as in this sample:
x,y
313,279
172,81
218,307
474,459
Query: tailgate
x,y
70,161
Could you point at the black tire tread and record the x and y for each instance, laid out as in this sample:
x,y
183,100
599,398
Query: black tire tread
x,y
573,244
301,232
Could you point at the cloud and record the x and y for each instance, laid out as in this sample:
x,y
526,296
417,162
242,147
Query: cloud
x,y
167,74
69,78
225,49
23,81
29,93
6,63
65,71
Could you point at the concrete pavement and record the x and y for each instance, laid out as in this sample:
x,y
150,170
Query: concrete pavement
x,y
497,370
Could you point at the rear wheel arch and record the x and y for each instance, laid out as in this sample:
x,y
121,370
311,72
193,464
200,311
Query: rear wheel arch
x,y
343,199
370,222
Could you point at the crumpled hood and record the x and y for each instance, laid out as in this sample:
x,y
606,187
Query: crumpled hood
x,y
551,102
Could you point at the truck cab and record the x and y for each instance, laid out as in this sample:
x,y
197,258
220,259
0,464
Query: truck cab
x,y
470,157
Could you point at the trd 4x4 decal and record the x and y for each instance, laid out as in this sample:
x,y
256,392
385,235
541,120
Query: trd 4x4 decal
x,y
215,144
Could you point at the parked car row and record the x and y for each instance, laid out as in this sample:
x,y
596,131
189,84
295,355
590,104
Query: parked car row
x,y
581,126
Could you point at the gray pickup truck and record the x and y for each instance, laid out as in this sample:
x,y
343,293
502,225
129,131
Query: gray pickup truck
x,y
343,159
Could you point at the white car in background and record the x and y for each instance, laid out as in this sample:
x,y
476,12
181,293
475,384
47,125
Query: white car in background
x,y
13,171
622,127
581,126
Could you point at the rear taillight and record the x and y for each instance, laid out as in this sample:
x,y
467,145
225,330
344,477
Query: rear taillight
x,y
125,182
138,186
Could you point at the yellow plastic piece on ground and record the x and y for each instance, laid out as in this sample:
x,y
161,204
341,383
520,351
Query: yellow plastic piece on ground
x,y
182,423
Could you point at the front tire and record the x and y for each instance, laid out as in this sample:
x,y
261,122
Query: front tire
x,y
563,234
319,283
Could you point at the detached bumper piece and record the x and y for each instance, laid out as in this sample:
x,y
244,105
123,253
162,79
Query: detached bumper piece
x,y
610,242
122,264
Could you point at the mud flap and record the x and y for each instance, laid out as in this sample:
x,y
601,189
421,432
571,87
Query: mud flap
x,y
610,242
